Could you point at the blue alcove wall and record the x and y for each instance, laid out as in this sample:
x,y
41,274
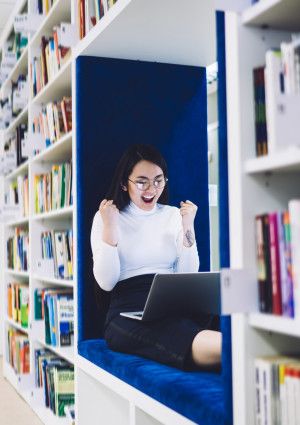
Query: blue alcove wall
x,y
120,102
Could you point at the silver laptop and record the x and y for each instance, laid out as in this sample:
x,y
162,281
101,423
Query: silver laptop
x,y
181,294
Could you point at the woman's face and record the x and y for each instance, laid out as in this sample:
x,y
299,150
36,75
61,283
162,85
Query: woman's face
x,y
145,184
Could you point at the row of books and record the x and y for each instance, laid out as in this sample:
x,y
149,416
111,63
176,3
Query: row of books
x,y
54,121
57,254
278,259
53,56
54,189
90,12
17,195
18,303
14,149
56,377
14,101
17,248
12,50
277,99
56,308
17,354
277,390
42,7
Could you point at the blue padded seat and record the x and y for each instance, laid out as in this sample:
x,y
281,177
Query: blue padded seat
x,y
203,397
197,395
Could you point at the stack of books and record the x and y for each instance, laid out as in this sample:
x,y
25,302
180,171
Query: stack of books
x,y
18,351
56,308
56,377
54,189
57,249
278,259
53,56
277,390
17,250
17,195
54,121
18,303
277,99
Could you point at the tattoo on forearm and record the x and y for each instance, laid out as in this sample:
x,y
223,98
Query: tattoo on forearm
x,y
189,238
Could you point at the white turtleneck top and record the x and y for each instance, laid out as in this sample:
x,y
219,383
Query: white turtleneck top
x,y
149,242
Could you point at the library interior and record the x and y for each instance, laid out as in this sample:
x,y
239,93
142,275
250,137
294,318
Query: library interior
x,y
96,97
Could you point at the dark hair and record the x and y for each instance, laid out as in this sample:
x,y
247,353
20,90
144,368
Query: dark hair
x,y
133,155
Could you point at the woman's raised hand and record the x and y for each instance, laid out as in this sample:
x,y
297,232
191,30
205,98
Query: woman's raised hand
x,y
109,213
188,212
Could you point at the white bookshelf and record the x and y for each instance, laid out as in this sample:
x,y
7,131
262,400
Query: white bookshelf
x,y
159,31
285,161
57,153
126,32
279,14
256,186
58,214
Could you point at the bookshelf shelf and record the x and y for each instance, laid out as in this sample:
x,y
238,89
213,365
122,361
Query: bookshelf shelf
x,y
56,215
21,67
62,11
17,273
288,160
17,222
22,169
22,117
54,281
277,14
62,149
66,353
56,88
46,415
23,383
149,39
16,325
272,323
59,12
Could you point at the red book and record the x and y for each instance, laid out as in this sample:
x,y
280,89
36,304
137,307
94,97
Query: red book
x,y
275,264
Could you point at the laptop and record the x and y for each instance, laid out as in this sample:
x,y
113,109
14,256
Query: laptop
x,y
181,294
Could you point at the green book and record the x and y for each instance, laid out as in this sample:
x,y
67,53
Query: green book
x,y
24,302
46,320
38,304
64,389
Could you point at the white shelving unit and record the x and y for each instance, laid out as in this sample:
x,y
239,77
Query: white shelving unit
x,y
59,86
256,186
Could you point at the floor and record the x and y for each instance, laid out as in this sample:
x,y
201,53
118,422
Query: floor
x,y
13,409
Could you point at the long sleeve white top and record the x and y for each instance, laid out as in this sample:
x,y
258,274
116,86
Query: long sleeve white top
x,y
148,242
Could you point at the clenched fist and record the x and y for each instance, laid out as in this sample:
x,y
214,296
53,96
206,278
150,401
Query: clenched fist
x,y
110,217
188,212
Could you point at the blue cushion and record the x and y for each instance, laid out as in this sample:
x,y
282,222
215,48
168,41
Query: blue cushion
x,y
197,395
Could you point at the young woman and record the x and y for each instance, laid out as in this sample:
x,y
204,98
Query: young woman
x,y
135,234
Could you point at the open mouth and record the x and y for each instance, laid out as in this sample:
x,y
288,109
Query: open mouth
x,y
148,199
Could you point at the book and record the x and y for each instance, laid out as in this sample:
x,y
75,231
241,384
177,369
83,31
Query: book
x,y
294,213
275,264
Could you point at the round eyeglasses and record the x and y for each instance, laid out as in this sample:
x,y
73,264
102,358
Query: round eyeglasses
x,y
144,184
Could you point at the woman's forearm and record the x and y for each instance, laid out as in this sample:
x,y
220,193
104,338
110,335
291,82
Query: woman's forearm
x,y
188,236
110,235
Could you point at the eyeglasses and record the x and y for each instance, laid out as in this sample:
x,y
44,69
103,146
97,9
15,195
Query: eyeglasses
x,y
144,184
